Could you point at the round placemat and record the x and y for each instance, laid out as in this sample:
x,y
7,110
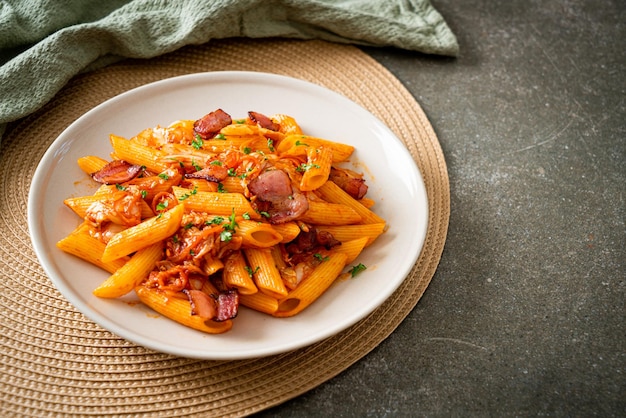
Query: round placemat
x,y
56,362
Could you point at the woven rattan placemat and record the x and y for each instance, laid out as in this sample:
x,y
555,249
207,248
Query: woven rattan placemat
x,y
55,362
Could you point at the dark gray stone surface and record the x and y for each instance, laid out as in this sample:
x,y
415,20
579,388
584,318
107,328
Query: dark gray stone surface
x,y
525,314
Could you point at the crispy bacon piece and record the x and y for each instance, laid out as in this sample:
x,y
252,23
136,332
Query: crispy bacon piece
x,y
263,121
202,304
276,196
227,305
211,123
219,308
351,182
211,172
116,172
307,241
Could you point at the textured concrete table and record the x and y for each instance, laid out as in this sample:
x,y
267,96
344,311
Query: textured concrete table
x,y
525,315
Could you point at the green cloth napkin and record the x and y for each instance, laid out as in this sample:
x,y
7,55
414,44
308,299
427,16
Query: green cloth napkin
x,y
44,43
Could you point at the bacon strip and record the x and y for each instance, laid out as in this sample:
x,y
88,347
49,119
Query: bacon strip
x,y
116,172
277,197
351,182
263,121
210,124
202,304
211,172
227,305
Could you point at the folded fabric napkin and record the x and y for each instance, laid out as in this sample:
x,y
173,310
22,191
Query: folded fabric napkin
x,y
43,44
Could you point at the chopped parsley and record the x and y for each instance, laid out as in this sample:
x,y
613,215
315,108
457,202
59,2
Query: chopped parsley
x,y
161,206
164,176
144,194
120,187
246,150
220,136
270,144
196,165
187,195
357,269
298,143
216,162
231,172
250,271
320,257
197,142
218,220
221,189
229,228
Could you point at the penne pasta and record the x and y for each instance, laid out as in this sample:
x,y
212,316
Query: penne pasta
x,y
352,249
90,164
257,234
312,287
259,302
265,274
298,145
136,153
237,274
289,231
215,203
179,310
82,245
146,233
323,213
126,278
351,232
334,194
201,228
317,168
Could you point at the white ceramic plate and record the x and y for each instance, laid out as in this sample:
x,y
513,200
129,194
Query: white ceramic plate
x,y
393,178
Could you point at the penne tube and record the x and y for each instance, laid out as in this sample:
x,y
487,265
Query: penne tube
x,y
257,234
136,153
216,203
233,184
317,169
266,276
352,249
335,194
259,302
345,233
91,164
179,310
311,288
201,185
288,124
82,245
298,144
104,193
132,273
237,274
367,202
289,231
146,233
213,266
153,185
80,204
323,213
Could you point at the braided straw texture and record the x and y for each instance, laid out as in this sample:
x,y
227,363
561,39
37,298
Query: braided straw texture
x,y
55,362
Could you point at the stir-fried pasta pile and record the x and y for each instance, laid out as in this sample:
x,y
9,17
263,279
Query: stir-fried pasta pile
x,y
200,217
